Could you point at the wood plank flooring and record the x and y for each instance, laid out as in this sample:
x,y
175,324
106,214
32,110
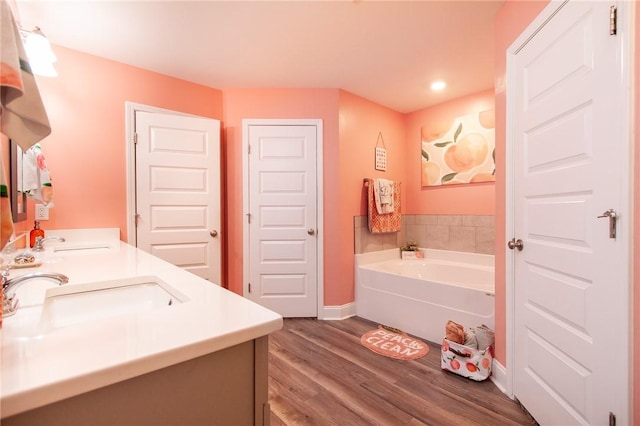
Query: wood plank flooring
x,y
320,374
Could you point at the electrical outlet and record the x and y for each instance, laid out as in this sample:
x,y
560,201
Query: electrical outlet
x,y
42,212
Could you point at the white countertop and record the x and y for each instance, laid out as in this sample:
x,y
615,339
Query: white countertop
x,y
41,364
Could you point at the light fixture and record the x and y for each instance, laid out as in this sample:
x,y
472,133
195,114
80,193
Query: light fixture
x,y
438,85
39,53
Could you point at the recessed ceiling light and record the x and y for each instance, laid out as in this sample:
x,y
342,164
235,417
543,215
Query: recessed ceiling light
x,y
437,86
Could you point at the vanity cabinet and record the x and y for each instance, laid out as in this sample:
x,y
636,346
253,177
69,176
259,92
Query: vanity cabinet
x,y
227,387
115,359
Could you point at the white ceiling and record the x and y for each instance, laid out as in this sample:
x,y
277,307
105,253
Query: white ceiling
x,y
385,51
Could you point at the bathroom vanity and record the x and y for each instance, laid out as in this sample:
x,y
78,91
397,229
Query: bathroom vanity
x,y
131,340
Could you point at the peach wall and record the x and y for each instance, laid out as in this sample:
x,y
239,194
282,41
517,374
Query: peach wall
x,y
511,20
86,149
351,125
5,154
360,123
278,103
478,198
636,227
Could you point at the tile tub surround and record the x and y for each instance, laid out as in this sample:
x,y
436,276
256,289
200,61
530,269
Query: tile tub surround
x,y
468,233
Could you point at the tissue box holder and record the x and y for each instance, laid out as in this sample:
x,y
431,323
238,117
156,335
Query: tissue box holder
x,y
465,361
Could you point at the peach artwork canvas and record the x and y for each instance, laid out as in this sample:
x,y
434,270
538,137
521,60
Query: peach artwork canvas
x,y
462,153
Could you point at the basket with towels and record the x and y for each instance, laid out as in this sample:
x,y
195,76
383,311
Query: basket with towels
x,y
468,353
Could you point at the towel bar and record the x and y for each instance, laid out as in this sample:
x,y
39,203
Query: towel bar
x,y
366,181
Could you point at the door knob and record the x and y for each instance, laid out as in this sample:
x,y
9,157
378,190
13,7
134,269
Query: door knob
x,y
213,233
613,217
515,244
311,231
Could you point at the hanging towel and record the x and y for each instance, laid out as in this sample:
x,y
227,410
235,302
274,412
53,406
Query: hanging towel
x,y
22,114
36,179
383,193
382,223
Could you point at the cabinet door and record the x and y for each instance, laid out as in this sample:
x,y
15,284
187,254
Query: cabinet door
x,y
227,387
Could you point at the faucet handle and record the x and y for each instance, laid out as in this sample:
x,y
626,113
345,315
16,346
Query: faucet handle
x,y
37,246
4,274
9,305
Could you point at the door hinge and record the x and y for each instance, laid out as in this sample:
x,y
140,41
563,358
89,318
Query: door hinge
x,y
249,218
137,218
249,287
612,419
613,20
249,149
135,138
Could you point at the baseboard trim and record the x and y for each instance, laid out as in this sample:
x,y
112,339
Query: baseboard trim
x,y
338,312
499,378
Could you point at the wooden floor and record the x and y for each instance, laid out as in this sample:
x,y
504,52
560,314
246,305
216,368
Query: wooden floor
x,y
320,374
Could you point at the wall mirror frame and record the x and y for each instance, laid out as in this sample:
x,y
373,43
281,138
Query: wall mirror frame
x,y
18,197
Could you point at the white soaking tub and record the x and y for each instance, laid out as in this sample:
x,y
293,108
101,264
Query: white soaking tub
x,y
419,296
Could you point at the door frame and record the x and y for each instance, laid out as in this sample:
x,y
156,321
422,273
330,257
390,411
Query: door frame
x,y
131,108
319,194
626,29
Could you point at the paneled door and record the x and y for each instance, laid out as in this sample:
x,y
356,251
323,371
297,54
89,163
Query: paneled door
x,y
178,191
282,218
571,176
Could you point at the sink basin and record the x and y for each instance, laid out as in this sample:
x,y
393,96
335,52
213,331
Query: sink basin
x,y
74,304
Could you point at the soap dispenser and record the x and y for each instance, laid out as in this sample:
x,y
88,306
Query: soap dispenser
x,y
35,233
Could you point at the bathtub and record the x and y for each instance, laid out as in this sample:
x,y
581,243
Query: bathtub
x,y
419,296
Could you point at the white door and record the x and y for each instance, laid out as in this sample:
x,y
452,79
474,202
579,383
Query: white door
x,y
572,285
178,191
283,218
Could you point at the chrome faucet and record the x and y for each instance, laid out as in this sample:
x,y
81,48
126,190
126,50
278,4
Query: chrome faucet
x,y
39,244
9,285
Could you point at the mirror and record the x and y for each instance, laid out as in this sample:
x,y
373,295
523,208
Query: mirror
x,y
18,197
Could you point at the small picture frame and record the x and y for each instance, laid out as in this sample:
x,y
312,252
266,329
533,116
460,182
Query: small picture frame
x,y
381,159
